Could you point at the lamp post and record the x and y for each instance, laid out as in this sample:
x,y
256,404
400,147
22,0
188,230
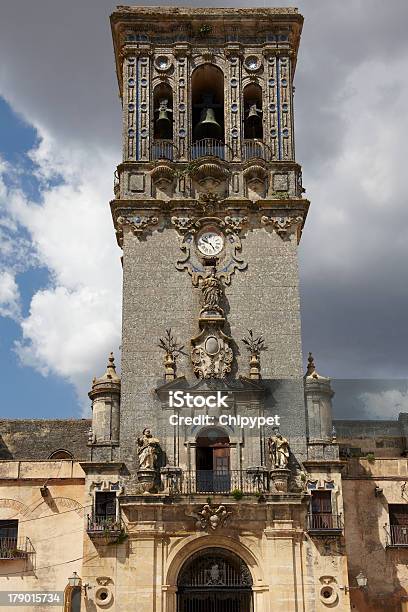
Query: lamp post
x,y
74,580
361,580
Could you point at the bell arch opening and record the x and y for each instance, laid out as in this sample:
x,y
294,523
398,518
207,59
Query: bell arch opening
x,y
163,112
214,580
253,122
208,103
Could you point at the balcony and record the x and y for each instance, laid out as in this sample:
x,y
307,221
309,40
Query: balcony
x,y
164,149
210,147
253,481
397,535
325,523
15,548
106,528
256,149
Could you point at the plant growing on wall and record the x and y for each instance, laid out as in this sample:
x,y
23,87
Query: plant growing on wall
x,y
237,494
204,31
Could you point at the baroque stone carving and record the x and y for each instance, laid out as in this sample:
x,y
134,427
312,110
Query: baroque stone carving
x,y
211,353
211,518
172,350
234,224
283,226
147,450
211,288
228,260
278,447
254,344
137,224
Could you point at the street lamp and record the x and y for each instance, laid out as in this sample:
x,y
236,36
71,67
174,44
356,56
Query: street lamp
x,y
74,580
361,580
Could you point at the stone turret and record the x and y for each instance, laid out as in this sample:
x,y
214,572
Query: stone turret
x,y
318,396
105,396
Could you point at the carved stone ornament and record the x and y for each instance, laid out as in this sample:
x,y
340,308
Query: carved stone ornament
x,y
193,261
278,447
283,226
148,449
211,518
235,224
211,353
138,224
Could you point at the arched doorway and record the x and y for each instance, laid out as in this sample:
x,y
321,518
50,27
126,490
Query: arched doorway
x,y
214,580
213,461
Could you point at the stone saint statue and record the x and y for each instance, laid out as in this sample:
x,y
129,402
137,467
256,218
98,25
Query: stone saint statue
x,y
147,450
278,451
211,288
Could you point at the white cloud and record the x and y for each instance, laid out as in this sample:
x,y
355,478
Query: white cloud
x,y
9,296
74,323
386,404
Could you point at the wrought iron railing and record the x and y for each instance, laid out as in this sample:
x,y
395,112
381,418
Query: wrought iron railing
x,y
209,481
255,148
164,149
15,548
397,535
210,147
324,521
103,524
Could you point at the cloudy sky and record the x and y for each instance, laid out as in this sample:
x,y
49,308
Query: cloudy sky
x,y
60,275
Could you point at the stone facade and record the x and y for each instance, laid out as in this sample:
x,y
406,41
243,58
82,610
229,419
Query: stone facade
x,y
190,515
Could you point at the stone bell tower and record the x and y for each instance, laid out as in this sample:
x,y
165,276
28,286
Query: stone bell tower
x,y
208,180
190,510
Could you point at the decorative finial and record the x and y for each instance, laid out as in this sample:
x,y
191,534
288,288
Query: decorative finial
x,y
254,344
311,368
172,349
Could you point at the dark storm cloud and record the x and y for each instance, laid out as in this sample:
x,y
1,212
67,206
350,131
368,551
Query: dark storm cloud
x,y
352,134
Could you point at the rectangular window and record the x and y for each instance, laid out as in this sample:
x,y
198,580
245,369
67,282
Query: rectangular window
x,y
8,539
398,524
9,529
321,502
105,505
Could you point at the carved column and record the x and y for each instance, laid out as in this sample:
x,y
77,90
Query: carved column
x,y
271,105
285,107
129,108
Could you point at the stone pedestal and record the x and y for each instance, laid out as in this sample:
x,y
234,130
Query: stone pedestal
x,y
146,475
280,479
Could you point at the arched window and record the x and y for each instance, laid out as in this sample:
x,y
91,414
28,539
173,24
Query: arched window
x,y
208,102
253,122
163,112
61,454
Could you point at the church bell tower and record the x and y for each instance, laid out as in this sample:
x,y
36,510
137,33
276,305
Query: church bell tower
x,y
202,451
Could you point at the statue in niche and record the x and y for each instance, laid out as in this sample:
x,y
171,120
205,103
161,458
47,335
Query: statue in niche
x,y
278,451
211,288
147,450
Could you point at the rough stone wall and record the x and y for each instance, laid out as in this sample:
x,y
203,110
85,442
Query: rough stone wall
x,y
38,438
156,296
366,516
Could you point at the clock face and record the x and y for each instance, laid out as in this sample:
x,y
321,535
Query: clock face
x,y
210,243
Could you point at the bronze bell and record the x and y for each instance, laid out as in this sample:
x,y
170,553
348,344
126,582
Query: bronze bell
x,y
254,114
163,121
208,126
